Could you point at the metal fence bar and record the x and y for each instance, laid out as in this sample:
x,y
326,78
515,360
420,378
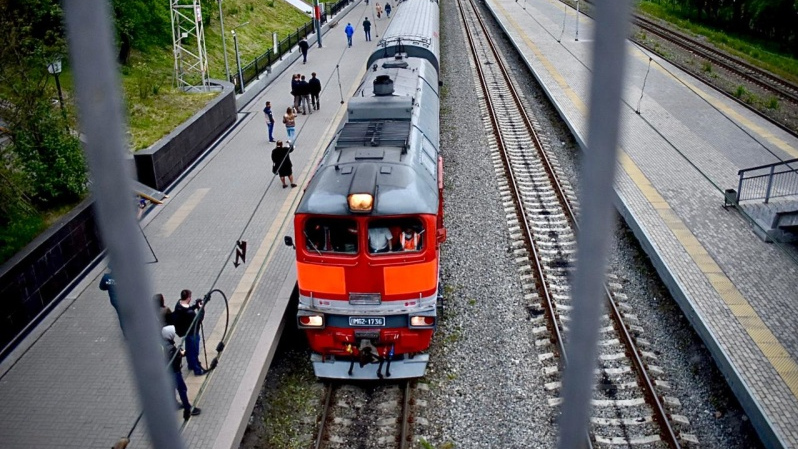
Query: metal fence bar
x,y
100,110
285,46
779,181
770,185
608,62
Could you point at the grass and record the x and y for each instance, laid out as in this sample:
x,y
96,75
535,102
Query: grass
x,y
289,403
154,107
23,228
20,231
254,38
760,53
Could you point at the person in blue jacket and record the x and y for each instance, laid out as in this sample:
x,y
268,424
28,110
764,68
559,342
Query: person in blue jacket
x,y
107,283
349,32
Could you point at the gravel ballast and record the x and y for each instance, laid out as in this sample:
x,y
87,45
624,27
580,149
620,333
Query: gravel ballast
x,y
484,386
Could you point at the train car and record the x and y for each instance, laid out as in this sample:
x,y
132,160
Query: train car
x,y
369,226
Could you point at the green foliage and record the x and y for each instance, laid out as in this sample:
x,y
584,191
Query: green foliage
x,y
760,31
50,156
740,91
706,67
773,103
144,22
17,230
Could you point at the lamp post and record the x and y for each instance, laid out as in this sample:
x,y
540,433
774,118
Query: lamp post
x,y
55,69
238,56
224,42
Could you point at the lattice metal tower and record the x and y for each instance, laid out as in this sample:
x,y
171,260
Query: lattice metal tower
x,y
188,41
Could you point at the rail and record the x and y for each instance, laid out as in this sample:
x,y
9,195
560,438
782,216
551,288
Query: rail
x,y
667,432
327,421
775,180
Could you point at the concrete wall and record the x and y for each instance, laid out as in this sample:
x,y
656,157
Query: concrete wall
x,y
162,163
36,277
40,275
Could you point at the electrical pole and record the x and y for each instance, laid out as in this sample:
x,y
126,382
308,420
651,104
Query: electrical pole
x,y
224,42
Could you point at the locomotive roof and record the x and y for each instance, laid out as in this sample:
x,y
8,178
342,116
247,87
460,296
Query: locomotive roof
x,y
375,155
414,30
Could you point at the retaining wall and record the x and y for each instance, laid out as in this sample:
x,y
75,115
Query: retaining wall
x,y
37,277
162,163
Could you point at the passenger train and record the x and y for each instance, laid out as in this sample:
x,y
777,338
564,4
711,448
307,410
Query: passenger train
x,y
369,226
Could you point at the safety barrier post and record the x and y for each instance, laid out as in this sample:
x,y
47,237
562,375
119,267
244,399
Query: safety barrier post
x,y
770,184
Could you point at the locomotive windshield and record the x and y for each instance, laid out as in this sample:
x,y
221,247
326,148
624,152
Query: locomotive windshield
x,y
331,235
395,234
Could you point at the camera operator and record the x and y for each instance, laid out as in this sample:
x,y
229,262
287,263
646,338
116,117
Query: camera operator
x,y
183,318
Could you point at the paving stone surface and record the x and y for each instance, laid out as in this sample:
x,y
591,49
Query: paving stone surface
x,y
69,384
681,145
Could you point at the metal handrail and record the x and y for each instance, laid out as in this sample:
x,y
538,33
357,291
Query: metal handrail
x,y
784,182
253,69
766,166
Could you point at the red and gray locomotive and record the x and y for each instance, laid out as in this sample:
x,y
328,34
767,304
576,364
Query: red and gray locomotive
x,y
369,226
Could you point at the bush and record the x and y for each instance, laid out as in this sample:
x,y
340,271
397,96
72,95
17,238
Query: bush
x,y
50,156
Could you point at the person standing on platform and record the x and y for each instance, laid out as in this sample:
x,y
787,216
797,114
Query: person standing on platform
x,y
269,120
367,29
349,32
303,47
315,89
295,91
289,119
387,10
164,312
281,163
174,358
107,283
378,9
304,88
187,319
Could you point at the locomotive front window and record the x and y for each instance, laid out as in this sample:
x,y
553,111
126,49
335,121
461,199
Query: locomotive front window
x,y
335,235
395,234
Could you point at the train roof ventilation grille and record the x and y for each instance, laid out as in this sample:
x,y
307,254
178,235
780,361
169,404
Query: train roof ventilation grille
x,y
374,134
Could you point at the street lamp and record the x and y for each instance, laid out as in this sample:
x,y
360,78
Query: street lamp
x,y
55,68
224,42
238,56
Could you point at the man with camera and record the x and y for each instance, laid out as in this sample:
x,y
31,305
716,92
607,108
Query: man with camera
x,y
187,319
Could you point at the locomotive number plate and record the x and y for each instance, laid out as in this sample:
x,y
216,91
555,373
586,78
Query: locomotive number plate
x,y
366,321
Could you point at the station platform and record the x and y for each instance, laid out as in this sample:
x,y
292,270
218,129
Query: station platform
x,y
69,384
676,158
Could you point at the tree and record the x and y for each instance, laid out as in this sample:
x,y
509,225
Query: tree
x,y
44,160
140,24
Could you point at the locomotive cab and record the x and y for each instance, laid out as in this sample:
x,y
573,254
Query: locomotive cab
x,y
368,293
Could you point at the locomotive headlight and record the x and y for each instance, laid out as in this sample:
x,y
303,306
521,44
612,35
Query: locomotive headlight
x,y
422,321
360,202
311,321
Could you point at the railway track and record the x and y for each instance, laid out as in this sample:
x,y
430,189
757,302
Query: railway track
x,y
739,72
629,407
367,415
778,87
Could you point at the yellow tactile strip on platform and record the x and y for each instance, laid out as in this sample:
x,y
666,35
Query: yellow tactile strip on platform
x,y
734,300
